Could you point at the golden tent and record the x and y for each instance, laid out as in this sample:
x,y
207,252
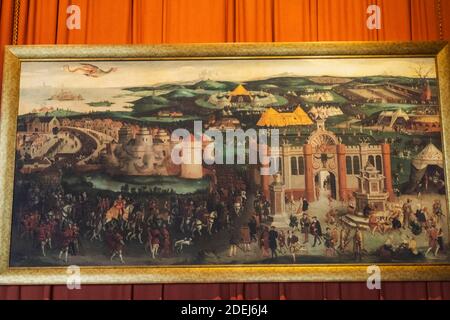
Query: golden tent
x,y
303,118
240,91
240,95
273,118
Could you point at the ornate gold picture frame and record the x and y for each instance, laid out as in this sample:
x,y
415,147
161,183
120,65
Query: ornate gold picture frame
x,y
89,186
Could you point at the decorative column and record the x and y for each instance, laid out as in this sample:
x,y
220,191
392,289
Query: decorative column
x,y
364,150
265,183
386,151
309,178
277,200
342,171
278,204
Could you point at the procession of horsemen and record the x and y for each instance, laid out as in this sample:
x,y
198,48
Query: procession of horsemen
x,y
59,225
55,223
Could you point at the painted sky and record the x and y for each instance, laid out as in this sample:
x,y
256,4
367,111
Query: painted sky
x,y
142,73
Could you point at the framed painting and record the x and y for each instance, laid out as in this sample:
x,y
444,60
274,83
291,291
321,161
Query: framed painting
x,y
225,162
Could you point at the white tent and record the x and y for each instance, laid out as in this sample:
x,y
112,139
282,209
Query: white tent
x,y
430,155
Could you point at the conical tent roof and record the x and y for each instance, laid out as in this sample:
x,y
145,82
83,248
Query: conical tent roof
x,y
430,155
302,116
240,91
273,118
264,120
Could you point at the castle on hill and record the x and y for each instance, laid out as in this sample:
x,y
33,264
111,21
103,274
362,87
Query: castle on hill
x,y
147,153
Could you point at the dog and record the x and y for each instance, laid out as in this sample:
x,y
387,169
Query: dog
x,y
179,244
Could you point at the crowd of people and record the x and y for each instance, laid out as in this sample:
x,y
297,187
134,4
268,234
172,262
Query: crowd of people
x,y
63,223
51,219
409,220
415,217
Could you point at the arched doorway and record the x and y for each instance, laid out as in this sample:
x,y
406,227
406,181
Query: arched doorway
x,y
325,185
432,180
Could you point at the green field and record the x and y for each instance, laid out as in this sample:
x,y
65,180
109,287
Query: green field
x,y
202,102
336,99
150,104
280,101
132,117
371,108
168,119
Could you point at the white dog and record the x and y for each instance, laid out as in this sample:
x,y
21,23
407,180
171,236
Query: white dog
x,y
182,243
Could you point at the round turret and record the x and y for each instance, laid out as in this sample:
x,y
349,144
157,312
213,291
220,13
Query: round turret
x,y
125,134
143,137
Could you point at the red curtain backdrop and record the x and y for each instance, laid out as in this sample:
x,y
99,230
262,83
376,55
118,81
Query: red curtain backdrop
x,y
172,21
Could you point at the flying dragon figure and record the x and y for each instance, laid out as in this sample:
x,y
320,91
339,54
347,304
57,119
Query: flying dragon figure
x,y
89,70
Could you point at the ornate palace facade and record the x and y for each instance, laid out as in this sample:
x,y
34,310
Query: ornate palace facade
x,y
323,153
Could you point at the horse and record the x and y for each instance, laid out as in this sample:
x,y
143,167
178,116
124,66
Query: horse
x,y
165,217
97,230
135,226
115,213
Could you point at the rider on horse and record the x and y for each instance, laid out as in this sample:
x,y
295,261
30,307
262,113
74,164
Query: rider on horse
x,y
119,204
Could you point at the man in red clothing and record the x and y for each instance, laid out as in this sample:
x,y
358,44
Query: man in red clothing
x,y
42,234
117,246
166,244
67,237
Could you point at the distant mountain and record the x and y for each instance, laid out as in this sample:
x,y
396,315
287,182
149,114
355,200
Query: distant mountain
x,y
179,94
150,104
168,86
203,84
286,83
215,85
137,89
210,85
